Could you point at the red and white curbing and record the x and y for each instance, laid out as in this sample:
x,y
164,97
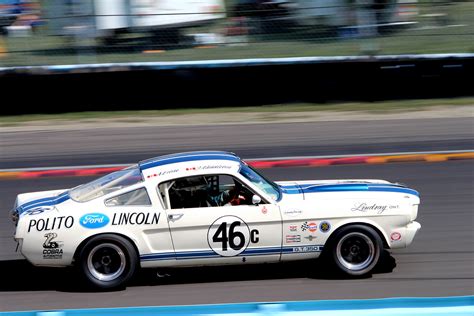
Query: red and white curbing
x,y
319,161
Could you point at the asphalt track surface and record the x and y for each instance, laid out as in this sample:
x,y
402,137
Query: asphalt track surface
x,y
439,263
122,145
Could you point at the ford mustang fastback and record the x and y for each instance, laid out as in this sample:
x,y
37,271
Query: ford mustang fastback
x,y
210,208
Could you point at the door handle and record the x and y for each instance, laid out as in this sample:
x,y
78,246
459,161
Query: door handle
x,y
174,217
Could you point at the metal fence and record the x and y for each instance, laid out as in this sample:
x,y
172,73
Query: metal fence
x,y
102,31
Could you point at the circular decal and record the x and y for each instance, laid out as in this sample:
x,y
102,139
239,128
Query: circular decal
x,y
94,220
325,227
312,227
395,236
229,236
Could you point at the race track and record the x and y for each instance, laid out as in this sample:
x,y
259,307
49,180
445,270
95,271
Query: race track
x,y
118,145
439,263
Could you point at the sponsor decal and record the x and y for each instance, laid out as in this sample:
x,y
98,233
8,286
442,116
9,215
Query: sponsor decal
x,y
39,210
308,249
34,211
395,236
312,227
264,210
310,237
293,228
208,167
324,226
135,218
52,249
292,213
379,209
51,223
214,167
293,238
229,236
162,173
94,220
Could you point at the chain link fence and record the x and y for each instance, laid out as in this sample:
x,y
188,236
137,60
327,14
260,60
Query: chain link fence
x,y
103,31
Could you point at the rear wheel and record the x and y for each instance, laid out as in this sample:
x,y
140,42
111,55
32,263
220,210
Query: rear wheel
x,y
355,250
108,261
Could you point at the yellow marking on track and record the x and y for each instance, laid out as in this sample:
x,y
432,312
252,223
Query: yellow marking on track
x,y
469,155
153,51
9,175
405,158
436,157
377,159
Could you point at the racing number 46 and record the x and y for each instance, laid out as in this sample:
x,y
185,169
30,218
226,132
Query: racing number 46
x,y
229,237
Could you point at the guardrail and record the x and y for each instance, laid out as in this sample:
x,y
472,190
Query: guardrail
x,y
438,306
402,60
244,82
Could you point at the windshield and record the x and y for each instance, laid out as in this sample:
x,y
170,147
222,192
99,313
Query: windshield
x,y
260,181
107,184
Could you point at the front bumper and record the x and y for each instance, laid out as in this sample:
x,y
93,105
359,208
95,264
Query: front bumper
x,y
411,230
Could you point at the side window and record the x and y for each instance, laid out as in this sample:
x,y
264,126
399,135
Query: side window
x,y
135,197
204,191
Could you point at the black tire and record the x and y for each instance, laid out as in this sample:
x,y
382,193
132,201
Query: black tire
x,y
107,261
354,250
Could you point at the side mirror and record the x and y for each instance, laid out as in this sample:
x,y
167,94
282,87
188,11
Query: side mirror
x,y
256,200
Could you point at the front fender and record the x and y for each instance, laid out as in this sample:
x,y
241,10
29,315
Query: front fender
x,y
364,221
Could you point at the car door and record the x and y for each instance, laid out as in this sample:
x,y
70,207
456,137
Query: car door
x,y
208,229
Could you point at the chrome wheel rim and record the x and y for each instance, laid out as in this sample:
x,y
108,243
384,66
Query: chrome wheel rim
x,y
106,262
355,251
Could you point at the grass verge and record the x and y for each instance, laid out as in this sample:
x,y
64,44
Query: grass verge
x,y
137,116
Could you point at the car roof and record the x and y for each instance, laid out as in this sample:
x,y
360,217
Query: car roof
x,y
187,156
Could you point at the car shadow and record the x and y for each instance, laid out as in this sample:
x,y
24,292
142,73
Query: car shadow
x,y
19,275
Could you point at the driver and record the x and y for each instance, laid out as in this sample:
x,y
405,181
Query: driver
x,y
227,197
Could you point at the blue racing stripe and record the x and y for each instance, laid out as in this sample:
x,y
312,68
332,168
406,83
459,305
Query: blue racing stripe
x,y
291,189
204,254
50,198
375,187
44,202
192,157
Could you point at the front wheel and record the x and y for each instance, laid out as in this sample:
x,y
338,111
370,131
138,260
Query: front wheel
x,y
355,250
108,261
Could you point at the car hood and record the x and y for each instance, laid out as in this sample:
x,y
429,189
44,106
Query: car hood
x,y
302,189
34,200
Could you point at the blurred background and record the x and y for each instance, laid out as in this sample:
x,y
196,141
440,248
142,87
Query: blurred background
x,y
39,32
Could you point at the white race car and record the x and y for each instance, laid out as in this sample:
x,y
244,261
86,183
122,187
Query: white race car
x,y
210,208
